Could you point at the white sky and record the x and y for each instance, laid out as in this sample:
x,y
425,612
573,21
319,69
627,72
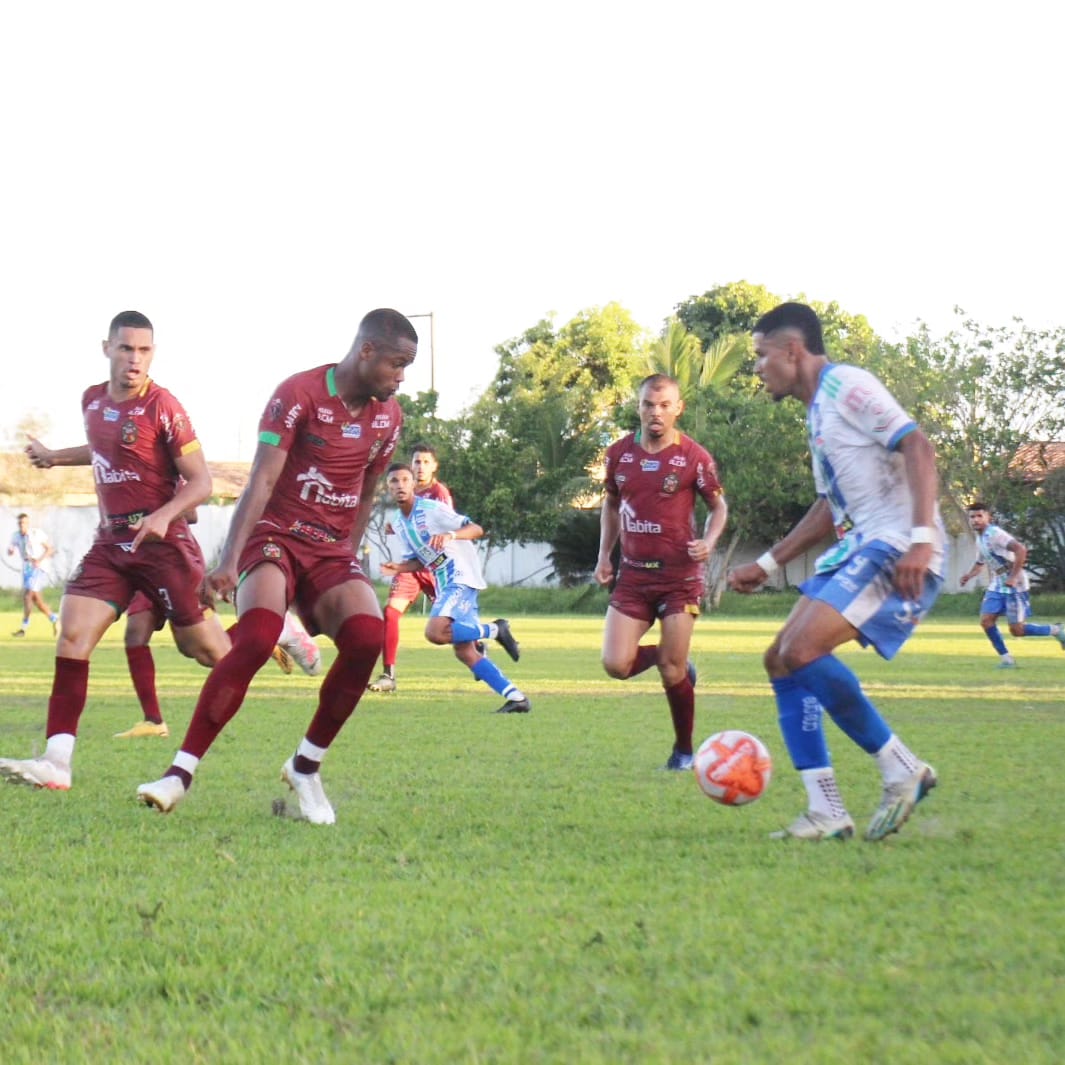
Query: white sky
x,y
256,176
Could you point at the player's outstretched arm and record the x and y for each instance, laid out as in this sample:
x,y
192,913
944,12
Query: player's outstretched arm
x,y
44,458
912,568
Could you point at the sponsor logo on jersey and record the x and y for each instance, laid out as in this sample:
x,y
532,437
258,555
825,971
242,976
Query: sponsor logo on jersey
x,y
325,415
292,415
314,441
318,489
136,412
631,523
620,479
351,430
111,415
104,473
275,409
309,531
271,550
129,432
94,405
381,421
670,484
375,450
678,460
649,465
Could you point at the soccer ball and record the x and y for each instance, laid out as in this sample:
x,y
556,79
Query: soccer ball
x,y
733,767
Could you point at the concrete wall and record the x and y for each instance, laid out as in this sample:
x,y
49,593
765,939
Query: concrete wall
x,y
71,530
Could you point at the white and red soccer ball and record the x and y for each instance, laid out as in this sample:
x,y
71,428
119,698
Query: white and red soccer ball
x,y
733,767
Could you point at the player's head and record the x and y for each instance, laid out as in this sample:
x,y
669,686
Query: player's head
x,y
979,516
399,480
659,405
385,345
423,464
23,522
130,348
784,338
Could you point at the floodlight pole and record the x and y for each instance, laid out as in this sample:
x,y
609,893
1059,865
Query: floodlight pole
x,y
432,348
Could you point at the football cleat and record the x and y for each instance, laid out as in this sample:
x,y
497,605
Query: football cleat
x,y
282,658
1006,663
505,638
384,683
899,800
144,728
677,762
816,826
19,633
314,806
515,706
163,794
36,772
304,651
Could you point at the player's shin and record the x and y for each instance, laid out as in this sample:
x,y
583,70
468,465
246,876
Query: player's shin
x,y
837,689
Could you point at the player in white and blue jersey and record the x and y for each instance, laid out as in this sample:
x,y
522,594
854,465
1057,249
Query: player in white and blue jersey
x,y
1003,557
437,538
875,474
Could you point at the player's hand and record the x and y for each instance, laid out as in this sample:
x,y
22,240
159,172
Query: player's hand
x,y
390,569
604,572
747,578
964,580
438,541
911,570
220,583
698,550
39,455
150,528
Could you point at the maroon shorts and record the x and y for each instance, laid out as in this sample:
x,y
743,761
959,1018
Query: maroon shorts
x,y
141,603
650,594
168,573
311,569
409,586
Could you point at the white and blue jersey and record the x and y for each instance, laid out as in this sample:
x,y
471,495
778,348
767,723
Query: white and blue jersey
x,y
994,550
855,426
458,562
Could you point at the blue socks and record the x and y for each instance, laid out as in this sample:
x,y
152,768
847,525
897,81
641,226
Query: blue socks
x,y
997,642
799,714
840,693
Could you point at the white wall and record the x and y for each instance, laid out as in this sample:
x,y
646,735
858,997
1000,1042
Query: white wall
x,y
71,530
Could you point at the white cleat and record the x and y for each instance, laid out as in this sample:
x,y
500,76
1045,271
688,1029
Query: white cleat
x,y
36,772
303,651
899,800
163,794
314,806
814,826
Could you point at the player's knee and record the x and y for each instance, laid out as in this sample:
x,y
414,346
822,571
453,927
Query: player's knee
x,y
1016,628
615,668
439,635
360,637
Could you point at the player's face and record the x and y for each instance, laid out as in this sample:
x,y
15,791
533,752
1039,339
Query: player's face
x,y
401,487
130,352
385,364
24,525
660,407
424,466
979,520
775,365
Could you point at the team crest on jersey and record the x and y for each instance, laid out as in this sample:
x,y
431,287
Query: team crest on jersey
x,y
670,484
275,410
325,415
620,479
627,457
649,465
381,421
351,430
110,414
129,432
271,550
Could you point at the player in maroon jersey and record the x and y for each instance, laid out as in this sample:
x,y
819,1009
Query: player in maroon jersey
x,y
406,587
652,480
325,437
149,470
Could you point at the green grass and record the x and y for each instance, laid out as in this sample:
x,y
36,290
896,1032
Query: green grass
x,y
533,889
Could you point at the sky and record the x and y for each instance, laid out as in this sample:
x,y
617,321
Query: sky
x,y
255,177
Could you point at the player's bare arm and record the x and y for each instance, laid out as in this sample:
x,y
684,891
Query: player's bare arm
x,y
912,567
811,529
44,458
266,467
701,550
194,490
609,531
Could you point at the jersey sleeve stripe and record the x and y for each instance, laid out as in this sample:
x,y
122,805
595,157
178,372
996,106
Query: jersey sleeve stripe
x,y
269,438
908,428
191,447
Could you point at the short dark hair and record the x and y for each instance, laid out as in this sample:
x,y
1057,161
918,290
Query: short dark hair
x,y
396,467
978,505
795,316
386,327
129,320
23,515
657,380
426,449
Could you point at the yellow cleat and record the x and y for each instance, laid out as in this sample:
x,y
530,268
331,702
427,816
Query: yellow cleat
x,y
144,728
283,659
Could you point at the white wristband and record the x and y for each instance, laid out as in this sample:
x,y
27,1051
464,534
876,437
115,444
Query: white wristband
x,y
922,534
768,563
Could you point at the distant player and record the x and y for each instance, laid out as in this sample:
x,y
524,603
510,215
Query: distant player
x,y
875,475
653,479
1003,556
33,547
438,539
408,585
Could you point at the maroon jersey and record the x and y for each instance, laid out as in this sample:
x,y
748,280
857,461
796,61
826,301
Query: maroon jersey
x,y
134,446
438,491
333,457
656,500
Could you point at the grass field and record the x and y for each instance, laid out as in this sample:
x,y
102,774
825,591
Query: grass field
x,y
533,889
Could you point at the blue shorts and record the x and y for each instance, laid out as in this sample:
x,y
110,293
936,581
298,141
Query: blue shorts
x,y
1017,606
457,602
861,590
